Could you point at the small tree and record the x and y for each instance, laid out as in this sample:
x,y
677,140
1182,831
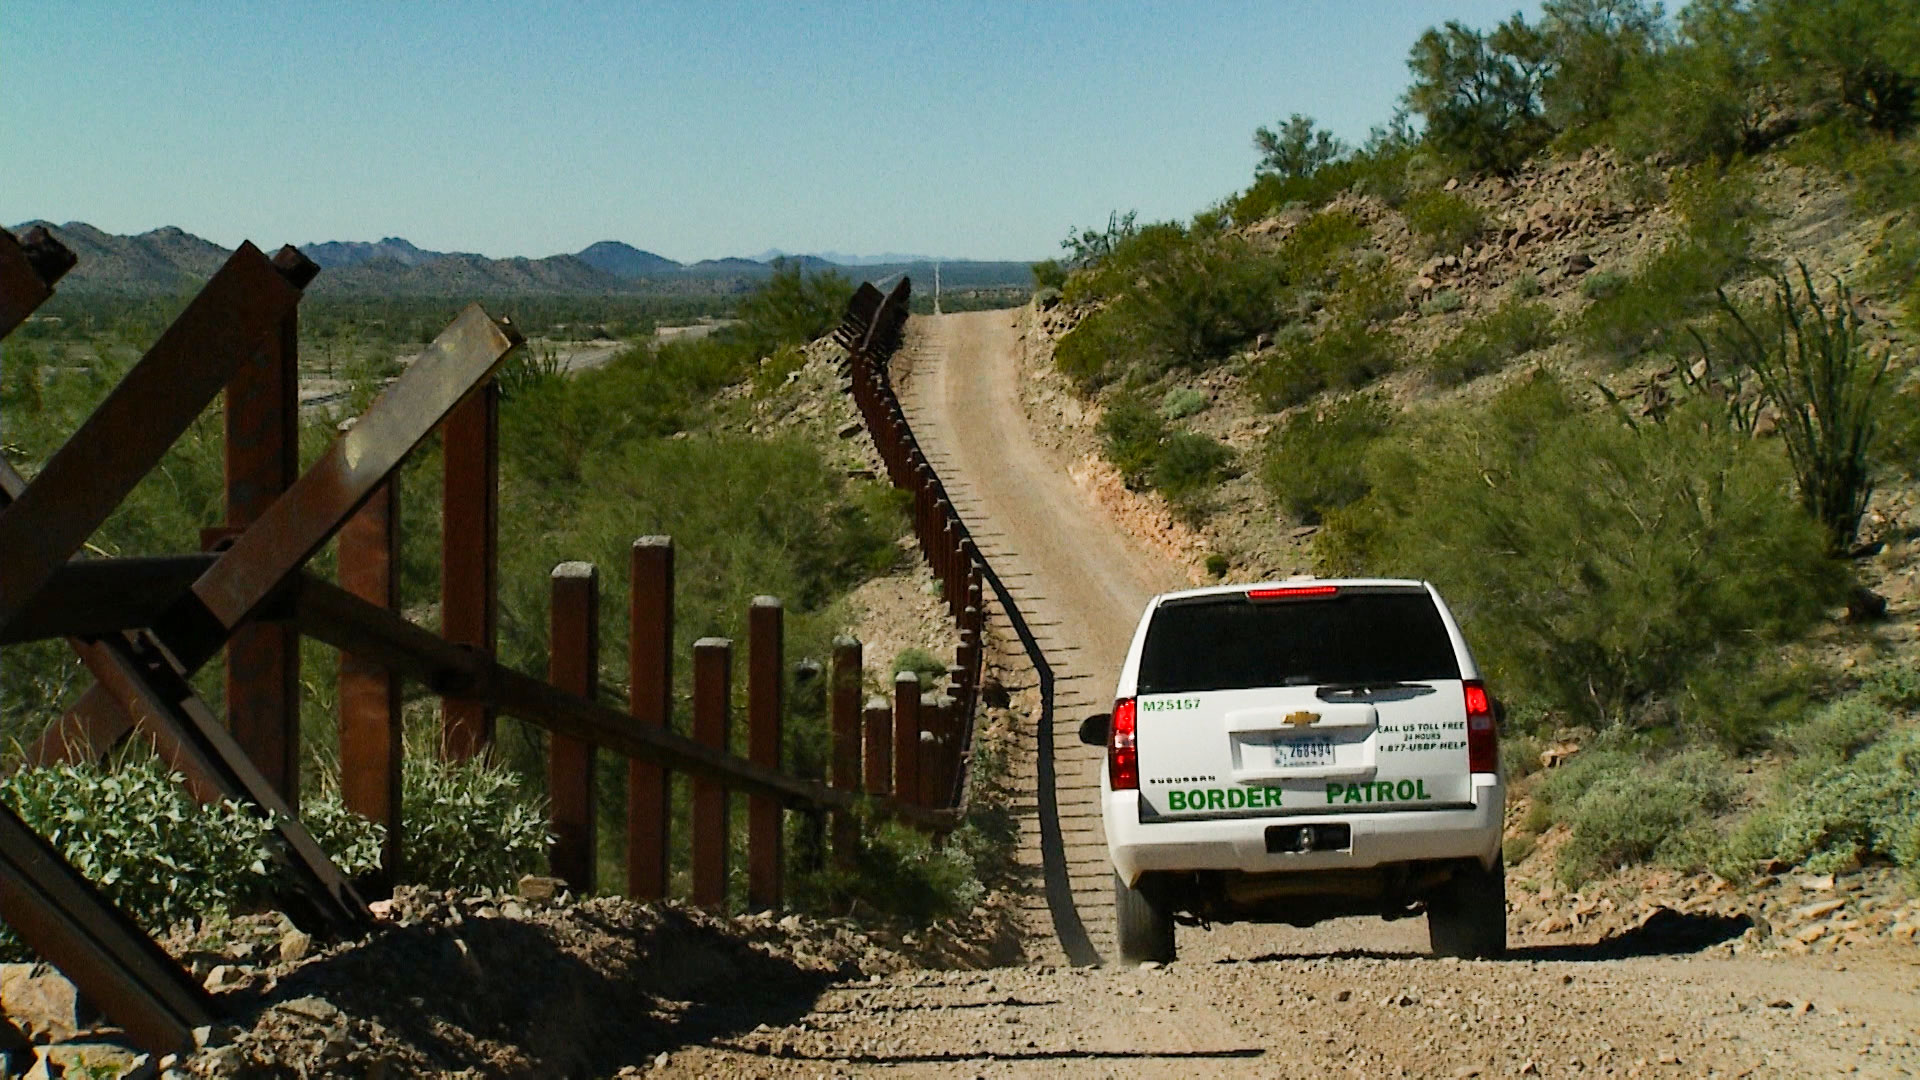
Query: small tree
x,y
1479,93
1814,368
1297,150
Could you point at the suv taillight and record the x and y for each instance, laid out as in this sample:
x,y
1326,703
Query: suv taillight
x,y
1123,754
1483,738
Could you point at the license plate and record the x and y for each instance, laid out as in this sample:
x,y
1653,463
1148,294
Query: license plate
x,y
1302,753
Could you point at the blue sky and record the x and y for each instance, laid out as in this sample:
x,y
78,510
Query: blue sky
x,y
695,130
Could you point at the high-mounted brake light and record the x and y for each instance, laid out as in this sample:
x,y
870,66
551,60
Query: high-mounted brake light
x,y
1123,753
1293,592
1483,736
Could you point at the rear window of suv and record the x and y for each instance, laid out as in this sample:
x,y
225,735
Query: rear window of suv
x,y
1363,636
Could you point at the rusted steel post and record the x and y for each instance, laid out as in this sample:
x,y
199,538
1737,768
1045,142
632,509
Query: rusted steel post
x,y
766,670
843,704
573,665
948,547
712,704
370,722
877,727
469,565
906,738
650,700
933,756
262,460
958,685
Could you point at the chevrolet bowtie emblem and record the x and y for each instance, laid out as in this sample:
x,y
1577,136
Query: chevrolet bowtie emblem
x,y
1302,718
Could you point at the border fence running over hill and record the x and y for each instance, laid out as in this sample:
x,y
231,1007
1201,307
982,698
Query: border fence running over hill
x,y
143,626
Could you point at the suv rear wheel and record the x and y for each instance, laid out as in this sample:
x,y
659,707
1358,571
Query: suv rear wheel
x,y
1468,916
1142,921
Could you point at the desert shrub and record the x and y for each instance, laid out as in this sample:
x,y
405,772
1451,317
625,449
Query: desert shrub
x,y
1088,353
1483,345
1865,807
1312,254
1745,710
1444,302
1627,317
1445,221
1049,274
1527,286
1601,284
1622,811
1609,564
470,825
137,835
925,666
1704,97
1379,170
1218,565
1188,467
1202,300
1133,432
1369,290
1347,355
1316,464
1184,401
1814,366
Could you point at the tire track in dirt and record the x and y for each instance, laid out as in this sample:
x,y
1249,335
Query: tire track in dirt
x,y
1078,582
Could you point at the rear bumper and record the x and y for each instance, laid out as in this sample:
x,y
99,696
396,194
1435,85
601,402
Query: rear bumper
x,y
1241,843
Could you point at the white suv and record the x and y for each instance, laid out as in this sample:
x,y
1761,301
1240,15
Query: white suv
x,y
1303,750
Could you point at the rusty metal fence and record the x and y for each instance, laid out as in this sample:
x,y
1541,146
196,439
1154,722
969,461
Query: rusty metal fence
x,y
144,626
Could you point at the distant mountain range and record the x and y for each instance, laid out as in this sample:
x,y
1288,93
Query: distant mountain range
x,y
170,260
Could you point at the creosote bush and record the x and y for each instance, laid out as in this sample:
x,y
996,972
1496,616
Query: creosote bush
x,y
1621,811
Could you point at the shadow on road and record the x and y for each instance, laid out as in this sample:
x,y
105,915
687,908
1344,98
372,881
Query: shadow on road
x,y
1664,933
1067,926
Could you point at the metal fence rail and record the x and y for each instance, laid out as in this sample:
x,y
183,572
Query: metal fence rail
x,y
143,626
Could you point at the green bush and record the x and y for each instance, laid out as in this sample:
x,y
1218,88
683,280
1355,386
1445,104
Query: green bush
x,y
1133,432
1316,464
1608,565
1049,274
1188,468
1444,302
1602,284
1527,286
1346,356
137,835
1445,221
1622,811
1314,252
1369,290
925,666
1865,807
1483,345
470,825
1628,317
1093,353
1184,401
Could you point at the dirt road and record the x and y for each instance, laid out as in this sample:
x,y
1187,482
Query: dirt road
x,y
1357,997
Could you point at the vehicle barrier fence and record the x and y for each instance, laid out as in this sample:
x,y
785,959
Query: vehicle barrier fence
x,y
143,626
871,332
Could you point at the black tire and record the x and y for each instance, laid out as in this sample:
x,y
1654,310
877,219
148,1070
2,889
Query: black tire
x,y
1142,921
1468,916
